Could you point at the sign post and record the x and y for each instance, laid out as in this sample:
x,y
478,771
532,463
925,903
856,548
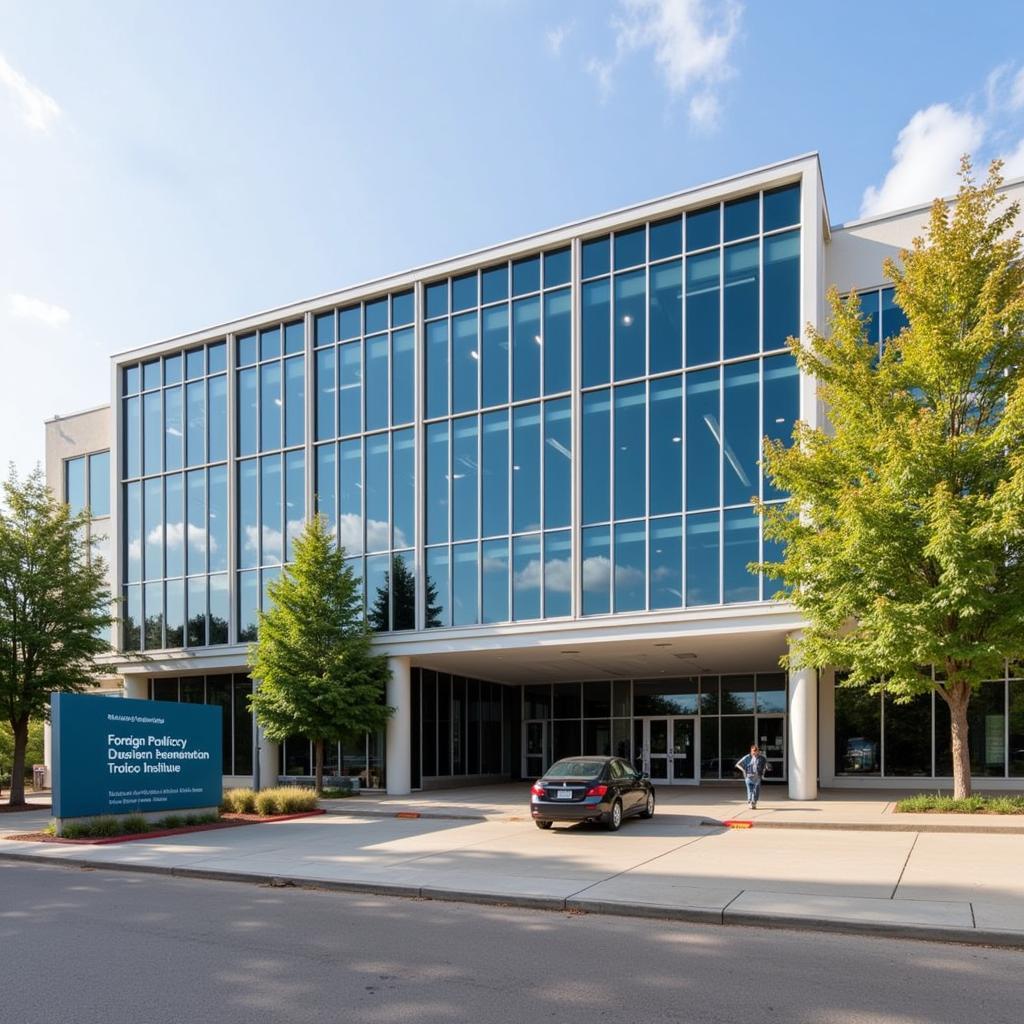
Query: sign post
x,y
120,757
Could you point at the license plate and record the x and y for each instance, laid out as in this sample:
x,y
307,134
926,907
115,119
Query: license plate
x,y
563,794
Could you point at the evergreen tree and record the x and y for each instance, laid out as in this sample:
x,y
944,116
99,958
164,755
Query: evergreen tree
x,y
317,674
54,609
904,532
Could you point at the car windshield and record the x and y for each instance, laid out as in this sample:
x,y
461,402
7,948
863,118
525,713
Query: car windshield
x,y
573,769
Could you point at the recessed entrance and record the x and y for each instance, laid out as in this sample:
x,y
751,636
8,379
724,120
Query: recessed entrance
x,y
668,749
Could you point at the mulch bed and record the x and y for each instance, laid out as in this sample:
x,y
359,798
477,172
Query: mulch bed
x,y
6,808
226,821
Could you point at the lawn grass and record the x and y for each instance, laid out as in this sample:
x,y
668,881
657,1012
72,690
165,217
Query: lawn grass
x,y
936,803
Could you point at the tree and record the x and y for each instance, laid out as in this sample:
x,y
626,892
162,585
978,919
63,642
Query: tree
x,y
33,749
318,676
54,607
396,599
904,532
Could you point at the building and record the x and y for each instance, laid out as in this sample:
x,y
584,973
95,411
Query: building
x,y
540,457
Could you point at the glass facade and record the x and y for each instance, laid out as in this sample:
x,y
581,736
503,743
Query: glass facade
x,y
174,473
883,319
876,737
86,483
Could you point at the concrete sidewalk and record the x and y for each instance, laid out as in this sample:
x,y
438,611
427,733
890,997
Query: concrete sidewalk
x,y
962,888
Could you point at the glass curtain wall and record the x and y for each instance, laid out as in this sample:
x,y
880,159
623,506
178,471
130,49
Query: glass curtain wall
x,y
499,443
229,692
87,486
365,450
271,472
684,323
175,491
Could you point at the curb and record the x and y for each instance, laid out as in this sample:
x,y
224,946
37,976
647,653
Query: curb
x,y
828,826
723,917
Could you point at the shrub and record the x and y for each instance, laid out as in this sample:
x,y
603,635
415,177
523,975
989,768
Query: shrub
x,y
936,803
134,824
75,832
267,801
171,821
294,800
239,801
51,829
104,827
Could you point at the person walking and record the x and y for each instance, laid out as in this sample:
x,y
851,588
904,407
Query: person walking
x,y
754,766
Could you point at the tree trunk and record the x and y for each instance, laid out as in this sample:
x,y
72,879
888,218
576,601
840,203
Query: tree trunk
x,y
319,784
957,696
20,730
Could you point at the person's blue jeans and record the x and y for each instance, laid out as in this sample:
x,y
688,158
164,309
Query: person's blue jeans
x,y
753,788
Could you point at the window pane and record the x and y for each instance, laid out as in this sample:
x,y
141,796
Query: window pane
x,y
437,368
465,608
702,439
702,308
495,355
630,324
782,207
908,737
403,470
377,532
403,596
526,346
557,462
630,247
152,432
741,299
173,369
437,299
219,610
702,559
248,602
437,482
666,437
153,633
525,468
464,478
666,238
270,507
217,395
247,425
771,692
557,574
294,401
438,603
247,350
597,566
781,406
495,581
741,543
666,316
151,374
893,318
557,340
325,494
771,551
526,275
741,432
218,518
132,629
495,473
174,429
196,612
295,500
376,316
270,406
702,228
596,462
376,382
465,362
557,267
526,566
494,283
378,593
402,367
294,337
323,329
596,256
326,405
666,561
349,322
197,517
99,484
858,724
350,388
566,700
132,380
175,524
630,451
1016,728
133,437
350,497
74,484
630,567
175,613
596,333
464,292
154,528
402,307
270,343
742,217
216,357
781,288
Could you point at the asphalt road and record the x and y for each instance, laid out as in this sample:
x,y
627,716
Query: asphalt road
x,y
86,946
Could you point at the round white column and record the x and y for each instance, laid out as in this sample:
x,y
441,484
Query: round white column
x,y
399,728
803,734
269,760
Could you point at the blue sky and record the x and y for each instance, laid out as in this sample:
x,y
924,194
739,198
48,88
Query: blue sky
x,y
168,166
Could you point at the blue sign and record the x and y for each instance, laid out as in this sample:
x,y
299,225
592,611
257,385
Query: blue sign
x,y
119,756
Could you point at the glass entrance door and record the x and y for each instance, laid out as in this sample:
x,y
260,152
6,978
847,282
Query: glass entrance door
x,y
669,749
771,738
536,755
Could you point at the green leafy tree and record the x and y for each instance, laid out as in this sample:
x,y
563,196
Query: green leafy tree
x,y
54,607
396,599
318,676
904,532
33,750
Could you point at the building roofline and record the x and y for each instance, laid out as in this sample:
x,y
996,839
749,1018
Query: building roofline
x,y
79,412
424,270
919,208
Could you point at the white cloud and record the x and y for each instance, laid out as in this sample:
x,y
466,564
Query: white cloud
x,y
27,308
1016,100
1013,162
690,41
36,108
555,38
925,159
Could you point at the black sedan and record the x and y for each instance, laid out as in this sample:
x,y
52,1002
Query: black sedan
x,y
604,789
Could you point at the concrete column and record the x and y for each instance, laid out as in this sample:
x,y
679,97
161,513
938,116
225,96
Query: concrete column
x,y
268,763
399,730
136,687
803,733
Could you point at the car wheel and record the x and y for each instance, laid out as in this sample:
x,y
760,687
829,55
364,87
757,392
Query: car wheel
x,y
614,822
648,811
543,824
